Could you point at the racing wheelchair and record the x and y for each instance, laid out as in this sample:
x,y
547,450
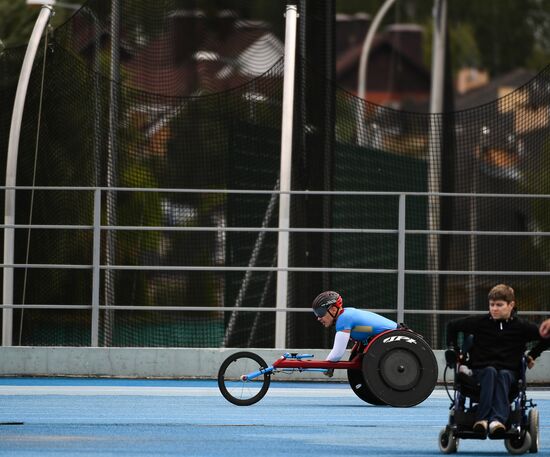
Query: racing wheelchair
x,y
522,428
395,368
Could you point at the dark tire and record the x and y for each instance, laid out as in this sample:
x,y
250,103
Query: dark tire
x,y
233,388
360,388
448,443
533,427
518,445
400,368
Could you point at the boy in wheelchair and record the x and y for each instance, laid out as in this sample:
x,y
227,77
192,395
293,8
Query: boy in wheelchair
x,y
495,365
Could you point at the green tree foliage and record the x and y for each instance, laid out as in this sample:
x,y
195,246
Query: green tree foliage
x,y
498,35
464,49
503,29
17,20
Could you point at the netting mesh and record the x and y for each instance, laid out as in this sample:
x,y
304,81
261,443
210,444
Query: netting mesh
x,y
196,104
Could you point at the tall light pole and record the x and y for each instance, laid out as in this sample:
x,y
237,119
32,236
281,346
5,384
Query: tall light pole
x,y
434,139
69,6
285,172
112,172
363,63
11,170
367,44
434,152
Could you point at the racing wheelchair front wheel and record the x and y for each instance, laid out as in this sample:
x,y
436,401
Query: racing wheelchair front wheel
x,y
519,444
448,443
359,386
237,389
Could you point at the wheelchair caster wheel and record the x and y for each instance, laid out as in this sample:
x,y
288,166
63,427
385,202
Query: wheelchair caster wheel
x,y
518,445
448,443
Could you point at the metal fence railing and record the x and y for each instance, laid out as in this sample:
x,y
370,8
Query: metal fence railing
x,y
401,271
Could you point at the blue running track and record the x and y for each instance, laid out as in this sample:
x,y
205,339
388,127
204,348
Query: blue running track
x,y
101,417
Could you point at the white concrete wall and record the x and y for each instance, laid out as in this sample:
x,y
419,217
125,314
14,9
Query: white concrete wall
x,y
166,362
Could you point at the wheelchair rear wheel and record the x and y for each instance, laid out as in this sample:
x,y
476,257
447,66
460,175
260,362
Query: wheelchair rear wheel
x,y
448,442
518,445
400,368
359,386
533,421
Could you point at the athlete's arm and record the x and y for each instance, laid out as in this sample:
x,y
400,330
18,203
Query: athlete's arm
x,y
340,344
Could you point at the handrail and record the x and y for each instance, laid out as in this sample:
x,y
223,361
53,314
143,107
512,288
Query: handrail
x,y
400,271
163,228
251,309
166,190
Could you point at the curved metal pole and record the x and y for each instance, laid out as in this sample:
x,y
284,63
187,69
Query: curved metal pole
x,y
362,78
11,169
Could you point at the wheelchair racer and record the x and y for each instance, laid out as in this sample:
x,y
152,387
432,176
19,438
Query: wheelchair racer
x,y
353,323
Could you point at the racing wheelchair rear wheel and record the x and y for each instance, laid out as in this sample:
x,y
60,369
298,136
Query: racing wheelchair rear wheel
x,y
518,445
359,386
400,368
237,390
448,442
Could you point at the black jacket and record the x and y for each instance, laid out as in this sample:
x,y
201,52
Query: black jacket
x,y
497,343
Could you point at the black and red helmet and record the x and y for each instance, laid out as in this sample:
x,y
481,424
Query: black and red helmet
x,y
324,301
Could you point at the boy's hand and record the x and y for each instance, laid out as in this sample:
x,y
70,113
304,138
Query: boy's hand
x,y
544,329
329,373
530,362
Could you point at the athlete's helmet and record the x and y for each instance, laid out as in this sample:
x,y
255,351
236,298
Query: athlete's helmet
x,y
324,301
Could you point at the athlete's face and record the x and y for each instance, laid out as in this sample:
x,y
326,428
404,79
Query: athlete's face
x,y
327,319
501,309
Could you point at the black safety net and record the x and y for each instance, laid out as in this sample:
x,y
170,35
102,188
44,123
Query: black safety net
x,y
189,101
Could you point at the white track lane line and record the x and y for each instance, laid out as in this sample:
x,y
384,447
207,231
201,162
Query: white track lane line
x,y
274,391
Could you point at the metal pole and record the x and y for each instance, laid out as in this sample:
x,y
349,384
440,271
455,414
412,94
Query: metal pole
x,y
472,256
363,62
111,198
96,256
11,169
434,150
286,169
401,260
97,98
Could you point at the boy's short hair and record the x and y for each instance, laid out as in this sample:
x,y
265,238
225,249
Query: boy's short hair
x,y
502,292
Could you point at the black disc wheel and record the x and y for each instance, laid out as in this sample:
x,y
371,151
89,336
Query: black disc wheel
x,y
234,385
400,368
359,386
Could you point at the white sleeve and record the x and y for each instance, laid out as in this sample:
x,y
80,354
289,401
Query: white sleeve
x,y
340,344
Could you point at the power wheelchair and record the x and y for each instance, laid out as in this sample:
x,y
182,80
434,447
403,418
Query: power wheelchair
x,y
522,428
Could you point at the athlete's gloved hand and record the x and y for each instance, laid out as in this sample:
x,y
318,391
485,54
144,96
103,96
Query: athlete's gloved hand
x,y
329,373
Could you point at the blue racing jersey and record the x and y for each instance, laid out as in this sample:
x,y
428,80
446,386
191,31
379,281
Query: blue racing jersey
x,y
363,324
